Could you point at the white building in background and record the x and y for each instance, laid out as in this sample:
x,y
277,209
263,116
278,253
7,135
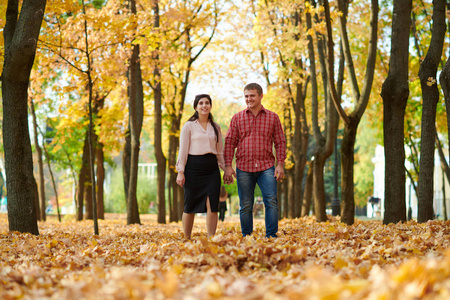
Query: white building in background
x,y
147,170
411,198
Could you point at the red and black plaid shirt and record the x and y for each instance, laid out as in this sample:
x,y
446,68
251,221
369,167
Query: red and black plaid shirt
x,y
254,138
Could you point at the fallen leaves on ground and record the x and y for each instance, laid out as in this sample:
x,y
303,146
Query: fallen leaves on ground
x,y
308,260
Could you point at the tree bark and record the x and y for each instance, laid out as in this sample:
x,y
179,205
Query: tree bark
x,y
20,38
395,92
136,115
100,180
91,125
324,140
173,147
361,99
300,147
347,179
445,170
430,94
126,163
83,177
55,189
40,164
319,188
307,194
159,154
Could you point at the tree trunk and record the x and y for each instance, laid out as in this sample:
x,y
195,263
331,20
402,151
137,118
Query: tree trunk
x,y
91,134
136,113
280,197
445,170
36,200
395,92
180,202
88,201
20,38
159,154
347,180
300,147
82,179
324,141
173,146
100,181
319,188
361,99
430,94
40,164
58,211
307,194
290,195
126,163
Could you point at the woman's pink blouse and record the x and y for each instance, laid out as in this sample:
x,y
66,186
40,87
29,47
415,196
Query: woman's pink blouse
x,y
195,140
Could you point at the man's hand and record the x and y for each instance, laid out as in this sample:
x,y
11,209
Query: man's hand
x,y
180,179
279,172
229,175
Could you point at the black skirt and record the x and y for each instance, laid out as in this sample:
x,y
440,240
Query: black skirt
x,y
202,180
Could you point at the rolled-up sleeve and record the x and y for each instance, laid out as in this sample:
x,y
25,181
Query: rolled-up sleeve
x,y
185,139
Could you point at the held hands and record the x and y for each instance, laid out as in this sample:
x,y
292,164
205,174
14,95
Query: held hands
x,y
229,175
180,179
279,173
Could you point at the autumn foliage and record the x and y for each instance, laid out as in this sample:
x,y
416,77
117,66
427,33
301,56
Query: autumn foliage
x,y
308,260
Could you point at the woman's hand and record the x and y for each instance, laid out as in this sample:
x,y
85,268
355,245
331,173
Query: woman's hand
x,y
180,179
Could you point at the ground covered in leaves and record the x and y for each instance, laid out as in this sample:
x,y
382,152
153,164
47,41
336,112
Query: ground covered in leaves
x,y
308,260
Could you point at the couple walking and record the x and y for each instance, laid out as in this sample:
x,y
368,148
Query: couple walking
x,y
252,133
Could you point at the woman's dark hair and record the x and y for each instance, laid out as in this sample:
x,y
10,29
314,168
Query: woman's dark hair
x,y
210,117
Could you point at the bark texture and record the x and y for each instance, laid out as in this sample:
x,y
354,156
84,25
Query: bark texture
x,y
395,92
430,95
20,38
136,116
159,154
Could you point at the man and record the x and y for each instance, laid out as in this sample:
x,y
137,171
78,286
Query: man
x,y
253,132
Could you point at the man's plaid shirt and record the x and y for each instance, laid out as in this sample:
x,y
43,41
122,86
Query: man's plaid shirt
x,y
254,138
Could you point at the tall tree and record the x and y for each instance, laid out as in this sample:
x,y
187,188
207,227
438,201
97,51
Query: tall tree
x,y
361,98
444,80
430,94
20,36
136,115
83,44
395,92
157,92
324,141
41,184
193,36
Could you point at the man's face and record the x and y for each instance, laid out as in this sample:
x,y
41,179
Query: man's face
x,y
252,99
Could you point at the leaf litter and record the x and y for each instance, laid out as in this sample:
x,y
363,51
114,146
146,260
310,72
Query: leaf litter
x,y
308,260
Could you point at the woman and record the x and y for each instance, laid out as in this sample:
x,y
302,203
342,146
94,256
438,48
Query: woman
x,y
199,158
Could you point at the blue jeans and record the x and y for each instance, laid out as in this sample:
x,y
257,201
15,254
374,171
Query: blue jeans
x,y
246,182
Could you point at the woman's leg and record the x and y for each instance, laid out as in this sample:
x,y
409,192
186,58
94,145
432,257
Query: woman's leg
x,y
188,223
211,219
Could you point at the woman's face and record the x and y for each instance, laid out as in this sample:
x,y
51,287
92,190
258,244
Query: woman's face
x,y
203,106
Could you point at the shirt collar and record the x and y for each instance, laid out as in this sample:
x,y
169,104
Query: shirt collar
x,y
262,110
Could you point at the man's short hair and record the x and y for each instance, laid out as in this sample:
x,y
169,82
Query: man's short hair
x,y
254,86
